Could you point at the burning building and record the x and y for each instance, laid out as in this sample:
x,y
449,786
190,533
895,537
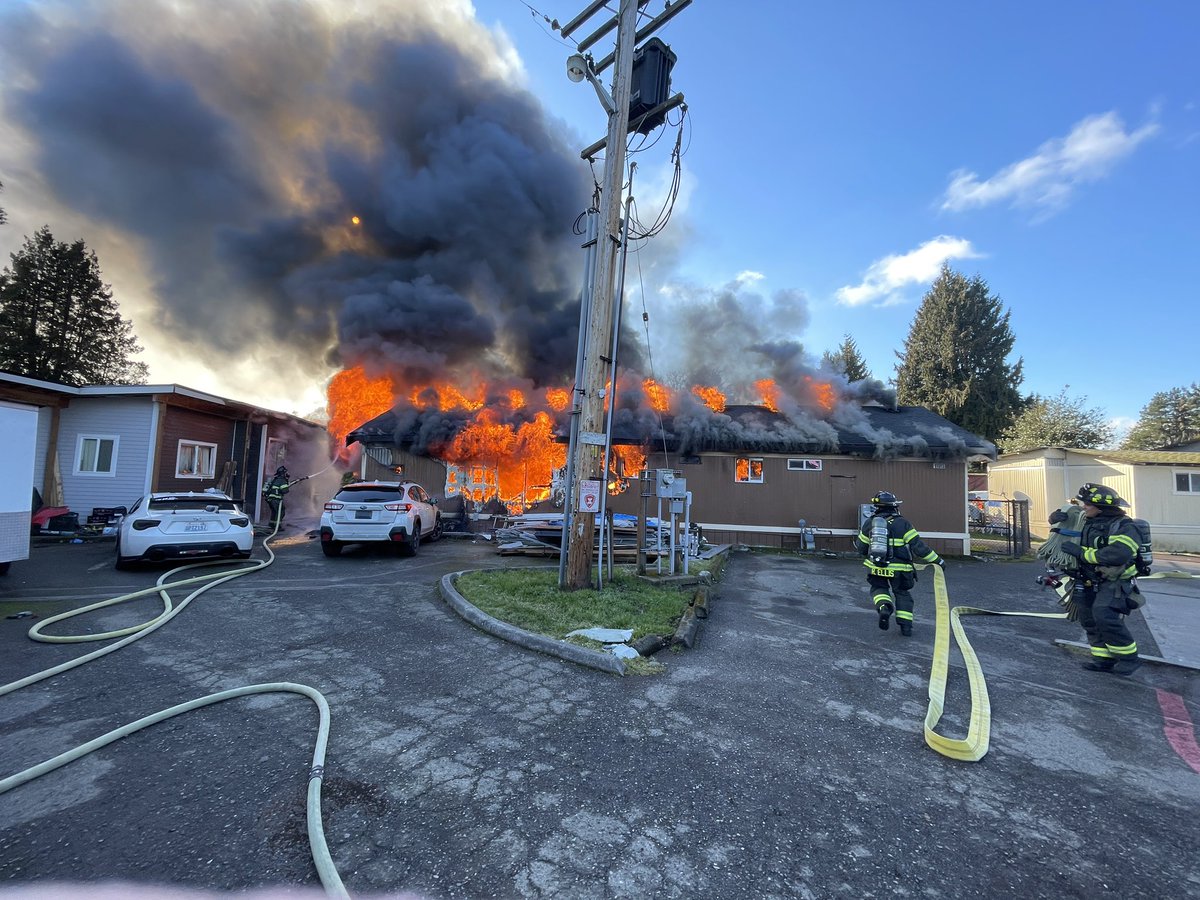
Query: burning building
x,y
813,449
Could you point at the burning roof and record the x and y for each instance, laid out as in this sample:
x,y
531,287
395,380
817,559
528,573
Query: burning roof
x,y
869,431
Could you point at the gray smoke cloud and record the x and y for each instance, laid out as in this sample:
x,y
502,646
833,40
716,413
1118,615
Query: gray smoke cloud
x,y
234,142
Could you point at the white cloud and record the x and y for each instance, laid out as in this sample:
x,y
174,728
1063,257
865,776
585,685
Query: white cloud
x,y
1049,177
749,276
921,266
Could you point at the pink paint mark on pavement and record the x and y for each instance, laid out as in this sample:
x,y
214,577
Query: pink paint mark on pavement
x,y
1178,727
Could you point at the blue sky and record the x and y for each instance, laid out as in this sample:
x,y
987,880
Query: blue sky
x,y
846,150
836,156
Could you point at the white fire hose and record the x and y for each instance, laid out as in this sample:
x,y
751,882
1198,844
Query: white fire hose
x,y
327,871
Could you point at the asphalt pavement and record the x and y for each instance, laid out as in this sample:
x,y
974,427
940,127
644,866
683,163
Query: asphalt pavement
x,y
782,756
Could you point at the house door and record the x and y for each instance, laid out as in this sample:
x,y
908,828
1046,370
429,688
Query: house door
x,y
843,501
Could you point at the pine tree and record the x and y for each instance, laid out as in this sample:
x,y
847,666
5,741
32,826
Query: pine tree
x,y
1057,422
3,214
1171,417
58,320
847,360
955,357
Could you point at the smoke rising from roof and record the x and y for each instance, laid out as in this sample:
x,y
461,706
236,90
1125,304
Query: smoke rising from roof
x,y
235,142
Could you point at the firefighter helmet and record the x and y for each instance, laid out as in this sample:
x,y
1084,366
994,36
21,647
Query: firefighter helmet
x,y
282,470
1099,495
886,498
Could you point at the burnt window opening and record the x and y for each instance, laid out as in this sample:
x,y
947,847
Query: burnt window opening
x,y
748,470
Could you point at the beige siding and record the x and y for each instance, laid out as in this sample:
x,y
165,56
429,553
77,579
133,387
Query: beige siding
x,y
1150,490
1174,518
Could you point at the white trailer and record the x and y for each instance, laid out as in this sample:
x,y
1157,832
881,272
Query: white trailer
x,y
18,425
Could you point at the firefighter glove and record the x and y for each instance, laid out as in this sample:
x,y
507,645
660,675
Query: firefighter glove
x,y
1072,549
941,563
1057,516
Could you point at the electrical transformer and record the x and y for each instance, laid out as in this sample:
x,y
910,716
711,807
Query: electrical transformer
x,y
650,84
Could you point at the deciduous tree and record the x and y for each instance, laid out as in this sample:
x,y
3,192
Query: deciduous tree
x,y
1171,417
1057,421
955,359
58,320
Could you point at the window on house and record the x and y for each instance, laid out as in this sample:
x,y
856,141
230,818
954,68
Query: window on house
x,y
96,454
748,470
804,465
196,460
1187,482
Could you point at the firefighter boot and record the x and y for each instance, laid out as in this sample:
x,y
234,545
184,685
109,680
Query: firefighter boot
x,y
885,615
905,628
1100,664
1127,665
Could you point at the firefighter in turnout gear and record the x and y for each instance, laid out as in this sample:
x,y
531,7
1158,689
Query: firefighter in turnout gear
x,y
274,493
891,545
1105,591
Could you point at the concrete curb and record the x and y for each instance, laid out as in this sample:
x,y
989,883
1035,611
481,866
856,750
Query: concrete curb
x,y
592,659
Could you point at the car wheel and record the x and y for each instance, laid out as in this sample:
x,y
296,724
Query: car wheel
x,y
413,544
436,534
331,548
122,564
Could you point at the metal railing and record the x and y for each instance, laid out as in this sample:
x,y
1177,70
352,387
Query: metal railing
x,y
999,527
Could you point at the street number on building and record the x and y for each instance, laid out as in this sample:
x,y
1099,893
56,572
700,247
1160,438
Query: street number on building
x,y
589,496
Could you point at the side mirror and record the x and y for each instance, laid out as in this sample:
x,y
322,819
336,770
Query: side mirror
x,y
434,501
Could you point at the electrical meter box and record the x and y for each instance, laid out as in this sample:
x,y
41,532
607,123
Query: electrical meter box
x,y
669,484
650,83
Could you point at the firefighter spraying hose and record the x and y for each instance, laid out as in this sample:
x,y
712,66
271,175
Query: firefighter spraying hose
x,y
326,870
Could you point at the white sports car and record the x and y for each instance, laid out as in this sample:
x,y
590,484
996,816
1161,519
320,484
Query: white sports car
x,y
183,525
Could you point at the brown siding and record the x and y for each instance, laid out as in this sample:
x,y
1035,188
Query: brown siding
x,y
429,473
934,499
189,425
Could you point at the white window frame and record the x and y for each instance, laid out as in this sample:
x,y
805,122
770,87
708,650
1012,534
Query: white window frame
x,y
92,473
195,444
1193,480
805,465
750,461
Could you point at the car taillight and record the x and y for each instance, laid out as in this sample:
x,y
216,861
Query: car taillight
x,y
239,522
143,524
397,507
333,507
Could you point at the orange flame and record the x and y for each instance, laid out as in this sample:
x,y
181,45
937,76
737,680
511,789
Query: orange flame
x,y
711,397
770,393
353,399
822,392
558,398
657,396
447,397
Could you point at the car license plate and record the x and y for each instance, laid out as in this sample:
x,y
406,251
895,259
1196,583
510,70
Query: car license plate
x,y
196,526
362,514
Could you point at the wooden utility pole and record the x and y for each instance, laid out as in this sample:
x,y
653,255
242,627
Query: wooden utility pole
x,y
590,394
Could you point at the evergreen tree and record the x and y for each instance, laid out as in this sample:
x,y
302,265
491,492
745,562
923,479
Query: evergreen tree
x,y
3,214
58,320
955,357
847,360
1171,417
1057,422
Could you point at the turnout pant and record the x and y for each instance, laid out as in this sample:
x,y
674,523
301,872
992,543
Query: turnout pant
x,y
1102,611
898,586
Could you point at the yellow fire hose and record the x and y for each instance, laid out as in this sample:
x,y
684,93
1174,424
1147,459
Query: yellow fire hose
x,y
326,870
974,746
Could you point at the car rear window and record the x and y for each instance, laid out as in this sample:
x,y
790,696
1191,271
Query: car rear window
x,y
364,493
166,504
